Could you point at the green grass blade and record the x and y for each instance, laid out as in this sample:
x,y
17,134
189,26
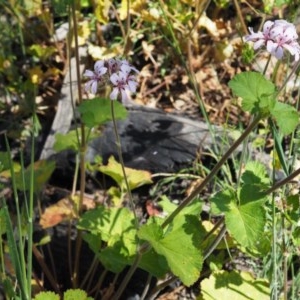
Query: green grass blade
x,y
14,253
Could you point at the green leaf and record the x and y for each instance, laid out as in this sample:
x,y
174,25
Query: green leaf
x,y
76,294
71,139
108,222
116,255
66,141
98,111
42,172
251,192
167,206
221,202
286,116
42,52
180,246
61,6
234,286
154,264
93,240
255,172
194,208
13,249
4,161
135,178
2,222
256,91
116,227
8,285
255,182
46,296
245,220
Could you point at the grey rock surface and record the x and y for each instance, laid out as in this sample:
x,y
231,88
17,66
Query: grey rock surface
x,y
154,140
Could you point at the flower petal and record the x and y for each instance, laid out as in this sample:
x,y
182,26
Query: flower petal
x,y
114,94
88,73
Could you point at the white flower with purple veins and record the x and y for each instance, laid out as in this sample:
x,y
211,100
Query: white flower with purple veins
x,y
116,73
123,84
130,79
113,65
95,76
276,36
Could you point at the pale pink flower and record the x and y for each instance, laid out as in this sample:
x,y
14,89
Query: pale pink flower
x,y
113,65
123,82
122,85
116,73
95,76
276,36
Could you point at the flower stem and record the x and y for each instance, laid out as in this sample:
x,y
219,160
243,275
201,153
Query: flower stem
x,y
213,172
119,149
82,150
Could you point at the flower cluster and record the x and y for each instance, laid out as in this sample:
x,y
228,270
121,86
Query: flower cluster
x,y
276,36
115,72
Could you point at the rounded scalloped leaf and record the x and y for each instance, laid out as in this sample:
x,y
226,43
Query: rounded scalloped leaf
x,y
234,286
255,90
76,294
46,296
180,246
97,111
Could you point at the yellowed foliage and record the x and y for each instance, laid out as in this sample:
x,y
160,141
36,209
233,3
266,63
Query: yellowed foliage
x,y
135,177
102,10
64,209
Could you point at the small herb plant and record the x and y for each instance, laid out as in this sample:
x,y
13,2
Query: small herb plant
x,y
251,216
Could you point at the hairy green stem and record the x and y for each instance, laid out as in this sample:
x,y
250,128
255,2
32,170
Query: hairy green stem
x,y
274,295
139,254
212,173
282,182
119,149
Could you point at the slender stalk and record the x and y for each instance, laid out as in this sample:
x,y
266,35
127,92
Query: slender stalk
x,y
274,251
110,290
285,259
128,276
16,248
161,286
217,225
215,243
90,271
45,269
139,253
147,286
80,100
99,283
281,183
213,172
30,208
21,246
240,16
81,151
295,67
127,39
119,149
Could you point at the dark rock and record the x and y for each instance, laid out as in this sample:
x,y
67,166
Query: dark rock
x,y
153,140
